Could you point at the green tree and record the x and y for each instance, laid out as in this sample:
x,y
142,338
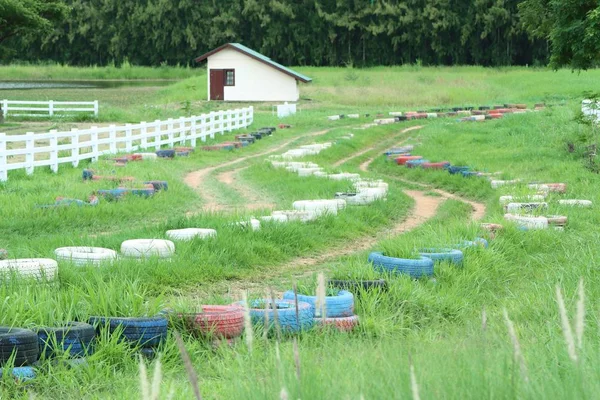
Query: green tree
x,y
23,17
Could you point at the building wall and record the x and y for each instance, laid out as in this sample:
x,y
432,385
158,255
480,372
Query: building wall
x,y
254,80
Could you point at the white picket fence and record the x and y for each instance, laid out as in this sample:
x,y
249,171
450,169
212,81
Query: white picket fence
x,y
591,109
48,108
31,150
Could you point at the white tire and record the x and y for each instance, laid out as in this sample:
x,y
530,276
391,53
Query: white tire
x,y
355,199
540,187
353,115
370,184
497,183
333,117
144,248
30,267
308,171
516,207
295,215
579,203
513,199
191,233
377,192
320,206
85,255
275,218
147,156
528,222
321,174
253,224
343,176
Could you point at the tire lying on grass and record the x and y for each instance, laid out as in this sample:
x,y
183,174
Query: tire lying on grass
x,y
340,305
22,342
85,255
143,332
76,337
451,255
355,287
21,374
477,242
286,314
573,202
216,321
39,268
344,324
414,268
144,248
191,233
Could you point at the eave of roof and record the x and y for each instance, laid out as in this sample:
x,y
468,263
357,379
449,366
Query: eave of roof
x,y
257,56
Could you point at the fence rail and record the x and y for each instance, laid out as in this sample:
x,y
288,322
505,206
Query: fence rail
x,y
48,108
30,150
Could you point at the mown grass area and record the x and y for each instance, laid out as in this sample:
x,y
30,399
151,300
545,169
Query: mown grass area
x,y
435,325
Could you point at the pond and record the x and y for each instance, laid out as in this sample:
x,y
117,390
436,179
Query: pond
x,y
97,84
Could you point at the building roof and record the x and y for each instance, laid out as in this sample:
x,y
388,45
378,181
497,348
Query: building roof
x,y
257,56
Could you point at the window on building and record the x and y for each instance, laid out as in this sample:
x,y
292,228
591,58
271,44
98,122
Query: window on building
x,y
229,77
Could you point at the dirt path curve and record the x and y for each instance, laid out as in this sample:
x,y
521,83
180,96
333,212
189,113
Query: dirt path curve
x,y
352,156
252,199
195,179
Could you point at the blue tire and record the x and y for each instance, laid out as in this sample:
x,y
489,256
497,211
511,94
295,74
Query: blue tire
x,y
88,174
76,337
457,170
21,374
142,192
414,268
468,174
143,332
112,194
286,313
170,153
415,163
478,242
341,305
451,255
158,185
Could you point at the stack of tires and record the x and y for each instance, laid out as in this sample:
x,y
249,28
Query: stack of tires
x,y
22,348
339,309
290,317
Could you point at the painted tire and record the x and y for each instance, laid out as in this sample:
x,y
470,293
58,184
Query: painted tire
x,y
295,215
21,374
158,185
142,248
148,156
30,267
3,254
286,313
85,255
344,324
88,174
143,332
191,233
278,218
415,163
491,227
320,206
402,160
527,207
528,222
478,242
452,169
435,165
343,176
24,344
355,199
414,268
356,287
341,305
557,220
578,203
451,255
217,321
77,338
512,199
170,153
184,149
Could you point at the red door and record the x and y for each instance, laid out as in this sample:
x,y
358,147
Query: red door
x,y
217,84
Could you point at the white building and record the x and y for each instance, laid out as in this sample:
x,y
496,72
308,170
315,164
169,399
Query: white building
x,y
237,73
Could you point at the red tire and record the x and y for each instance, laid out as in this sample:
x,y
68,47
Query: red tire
x,y
557,187
492,227
403,159
220,321
557,220
344,324
435,165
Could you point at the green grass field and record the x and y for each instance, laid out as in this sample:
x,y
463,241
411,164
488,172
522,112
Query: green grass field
x,y
451,330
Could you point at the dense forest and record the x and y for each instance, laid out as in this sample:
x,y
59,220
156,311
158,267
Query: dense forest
x,y
294,32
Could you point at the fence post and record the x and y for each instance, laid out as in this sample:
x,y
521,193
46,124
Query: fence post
x,y
95,108
128,141
223,120
182,129
251,119
30,155
51,107
3,162
94,139
157,134
5,108
54,151
212,127
203,131
193,133
143,132
112,136
75,148
170,133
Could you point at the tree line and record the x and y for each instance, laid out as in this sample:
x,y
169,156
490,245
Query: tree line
x,y
296,32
